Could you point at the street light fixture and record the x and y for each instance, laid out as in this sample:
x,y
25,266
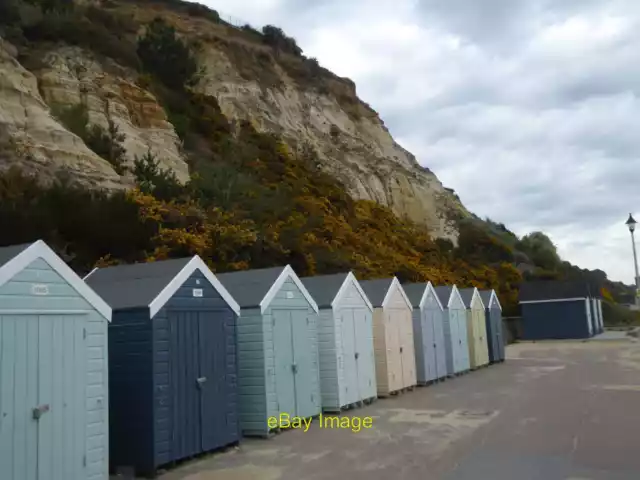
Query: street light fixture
x,y
631,223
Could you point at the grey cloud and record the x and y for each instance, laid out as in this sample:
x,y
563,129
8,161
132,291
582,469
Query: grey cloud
x,y
535,131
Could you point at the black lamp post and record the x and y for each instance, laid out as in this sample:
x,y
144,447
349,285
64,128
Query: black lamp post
x,y
631,223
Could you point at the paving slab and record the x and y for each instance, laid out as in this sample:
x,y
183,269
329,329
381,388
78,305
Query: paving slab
x,y
553,410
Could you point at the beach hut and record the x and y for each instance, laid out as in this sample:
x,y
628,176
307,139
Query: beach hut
x,y
428,332
172,362
476,327
345,336
54,413
455,329
277,347
392,335
555,309
493,322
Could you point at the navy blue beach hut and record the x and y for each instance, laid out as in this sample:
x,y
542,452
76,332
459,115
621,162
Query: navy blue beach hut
x,y
555,310
172,361
493,317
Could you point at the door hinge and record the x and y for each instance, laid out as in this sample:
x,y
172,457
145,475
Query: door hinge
x,y
84,460
84,333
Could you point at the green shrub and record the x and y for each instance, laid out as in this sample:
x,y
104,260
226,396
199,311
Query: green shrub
x,y
153,179
166,56
75,118
276,38
108,144
75,28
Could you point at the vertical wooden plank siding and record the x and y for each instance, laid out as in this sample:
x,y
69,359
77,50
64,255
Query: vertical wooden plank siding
x,y
55,358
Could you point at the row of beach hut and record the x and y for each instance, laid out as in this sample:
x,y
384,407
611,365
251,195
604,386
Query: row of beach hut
x,y
143,365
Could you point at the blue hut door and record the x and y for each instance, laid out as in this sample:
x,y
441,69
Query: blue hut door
x,y
186,382
438,337
349,362
284,363
213,383
43,396
428,344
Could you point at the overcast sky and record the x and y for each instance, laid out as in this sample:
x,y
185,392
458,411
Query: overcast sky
x,y
529,109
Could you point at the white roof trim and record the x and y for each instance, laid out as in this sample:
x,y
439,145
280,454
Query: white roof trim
x,y
476,296
196,263
494,296
456,292
41,250
351,279
287,272
428,289
395,283
555,300
89,274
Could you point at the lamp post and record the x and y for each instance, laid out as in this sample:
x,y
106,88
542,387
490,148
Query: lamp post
x,y
631,223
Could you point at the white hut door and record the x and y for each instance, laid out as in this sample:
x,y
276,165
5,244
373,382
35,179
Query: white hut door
x,y
349,362
364,350
63,399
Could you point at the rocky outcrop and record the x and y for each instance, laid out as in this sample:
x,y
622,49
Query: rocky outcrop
x,y
69,76
32,139
357,149
279,93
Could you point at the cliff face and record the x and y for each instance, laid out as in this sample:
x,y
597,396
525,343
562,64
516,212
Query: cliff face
x,y
278,92
33,139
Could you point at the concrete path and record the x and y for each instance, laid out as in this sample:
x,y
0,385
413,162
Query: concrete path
x,y
552,411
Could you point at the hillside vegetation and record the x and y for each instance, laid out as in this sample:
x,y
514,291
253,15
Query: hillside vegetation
x,y
252,201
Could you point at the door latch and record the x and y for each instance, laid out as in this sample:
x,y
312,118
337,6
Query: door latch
x,y
294,368
400,349
356,355
39,411
200,381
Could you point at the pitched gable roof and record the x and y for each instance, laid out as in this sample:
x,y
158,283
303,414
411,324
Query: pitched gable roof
x,y
16,258
378,291
489,297
444,294
257,288
468,295
150,284
326,290
417,293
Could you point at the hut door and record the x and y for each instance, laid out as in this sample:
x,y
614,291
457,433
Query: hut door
x,y
42,397
364,349
428,344
408,351
306,369
284,362
349,361
438,333
186,383
394,357
496,319
214,386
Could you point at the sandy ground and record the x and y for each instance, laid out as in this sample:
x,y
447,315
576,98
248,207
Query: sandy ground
x,y
553,410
